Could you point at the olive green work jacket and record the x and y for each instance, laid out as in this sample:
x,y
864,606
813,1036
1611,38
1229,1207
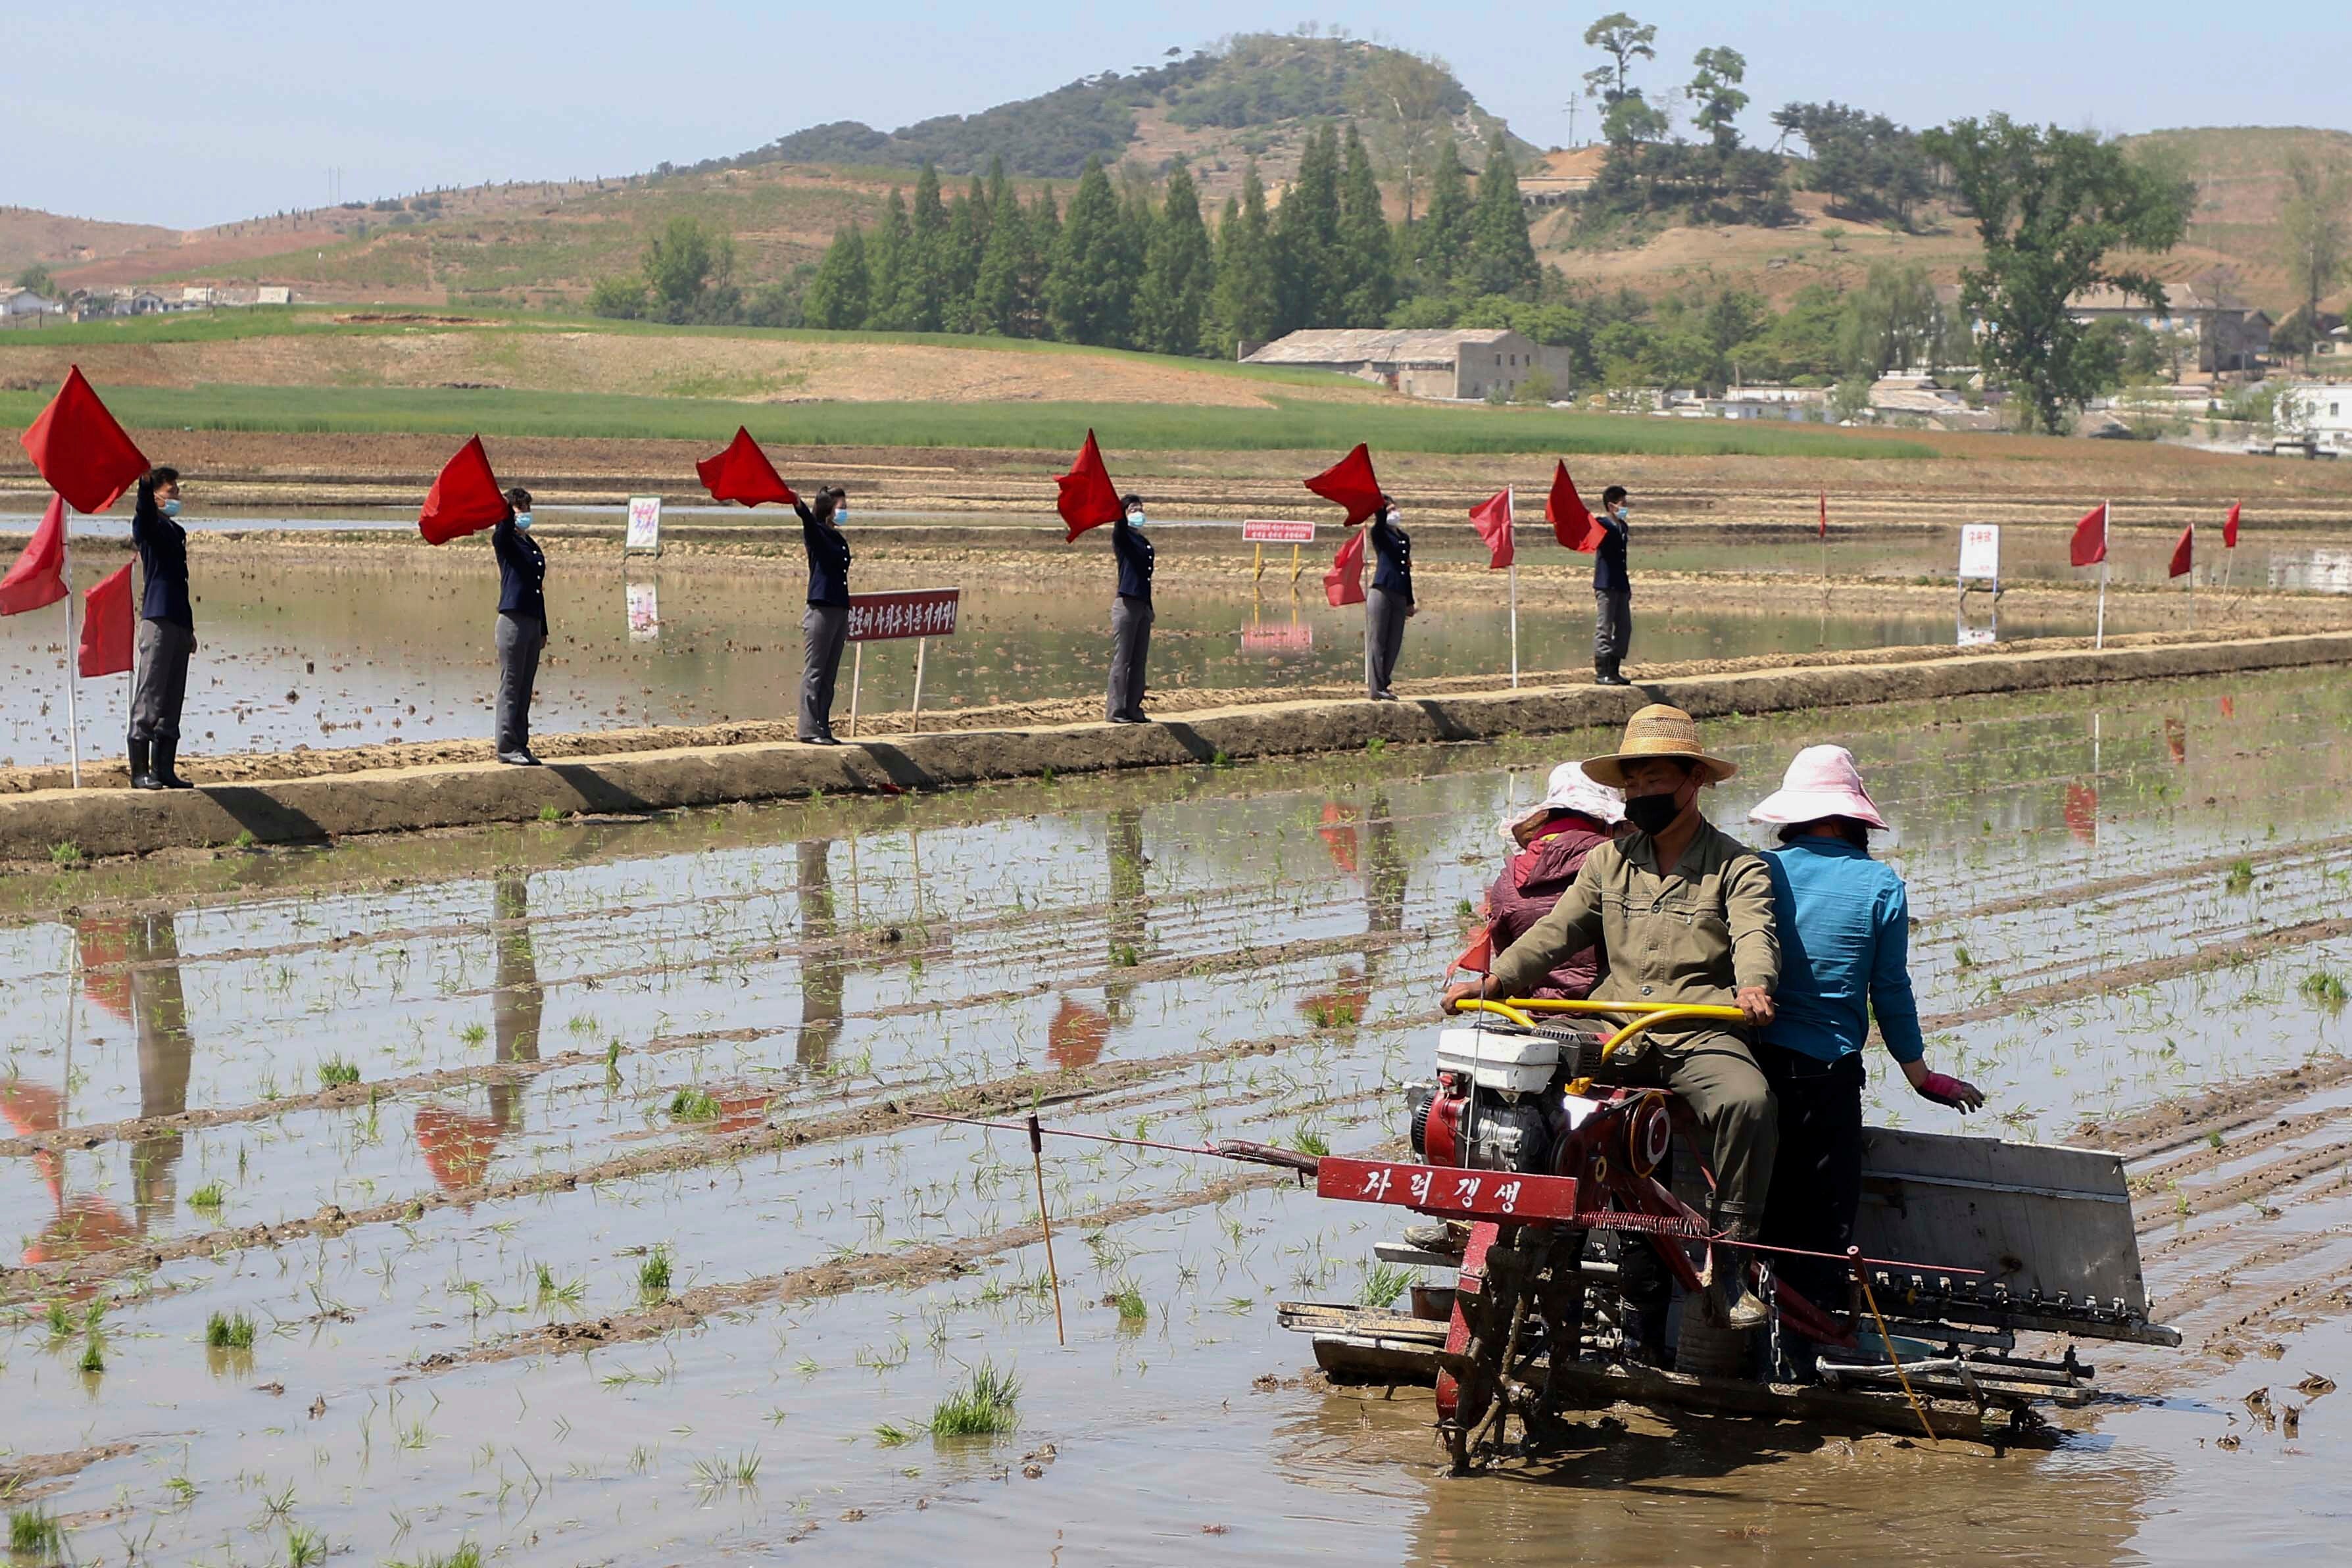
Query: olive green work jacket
x,y
1695,933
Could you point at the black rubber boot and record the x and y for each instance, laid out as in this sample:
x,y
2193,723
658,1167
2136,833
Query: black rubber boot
x,y
1734,1299
167,753
142,771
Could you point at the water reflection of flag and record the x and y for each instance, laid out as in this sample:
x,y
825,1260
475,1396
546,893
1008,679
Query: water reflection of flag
x,y
1078,1034
1349,1000
104,946
458,1145
2082,812
1338,834
2175,741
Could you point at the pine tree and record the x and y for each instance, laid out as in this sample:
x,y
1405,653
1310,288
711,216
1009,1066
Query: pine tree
x,y
1365,243
837,295
887,266
1090,289
1441,240
922,273
999,187
1045,237
1172,304
1309,269
1001,300
1244,303
1502,259
967,242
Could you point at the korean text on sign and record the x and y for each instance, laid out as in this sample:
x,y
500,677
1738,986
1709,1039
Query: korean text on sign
x,y
918,613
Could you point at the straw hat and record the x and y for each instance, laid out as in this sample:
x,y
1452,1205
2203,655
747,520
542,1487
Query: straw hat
x,y
1657,731
1569,790
1822,782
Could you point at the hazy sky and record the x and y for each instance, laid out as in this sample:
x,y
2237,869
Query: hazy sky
x,y
190,115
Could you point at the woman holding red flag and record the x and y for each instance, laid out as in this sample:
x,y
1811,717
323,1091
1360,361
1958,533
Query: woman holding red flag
x,y
523,625
1389,602
167,632
825,624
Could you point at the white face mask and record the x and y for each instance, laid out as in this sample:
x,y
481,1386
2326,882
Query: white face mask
x,y
841,514
1135,518
522,521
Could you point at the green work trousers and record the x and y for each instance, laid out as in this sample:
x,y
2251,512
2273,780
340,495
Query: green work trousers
x,y
1712,1072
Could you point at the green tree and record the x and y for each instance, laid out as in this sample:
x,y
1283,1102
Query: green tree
x,y
37,279
1892,321
1310,270
2315,234
622,298
1366,248
1003,297
1623,40
1090,287
1246,301
2050,204
1407,100
840,295
1441,241
887,262
922,297
967,243
1502,259
1173,304
1714,91
686,266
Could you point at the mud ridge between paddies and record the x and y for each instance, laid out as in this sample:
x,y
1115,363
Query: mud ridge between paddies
x,y
672,771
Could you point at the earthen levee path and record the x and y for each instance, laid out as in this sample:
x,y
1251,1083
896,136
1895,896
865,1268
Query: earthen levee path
x,y
639,772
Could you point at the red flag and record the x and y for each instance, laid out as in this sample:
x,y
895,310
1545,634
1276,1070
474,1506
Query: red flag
x,y
1350,483
1478,958
107,617
38,578
1088,499
81,450
464,498
1492,519
1572,523
1344,583
2184,552
1825,514
2230,527
2090,546
743,473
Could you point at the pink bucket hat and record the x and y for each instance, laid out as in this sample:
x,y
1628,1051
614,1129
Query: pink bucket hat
x,y
1822,782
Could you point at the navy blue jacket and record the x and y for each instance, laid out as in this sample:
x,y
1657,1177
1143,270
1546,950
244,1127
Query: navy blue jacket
x,y
828,558
522,572
163,563
1609,560
1135,555
1394,548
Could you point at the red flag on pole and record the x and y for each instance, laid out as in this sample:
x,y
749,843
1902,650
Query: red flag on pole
x,y
2230,527
1571,521
742,473
1492,519
81,450
38,578
2090,546
106,623
1825,515
464,498
1344,583
1350,483
2184,552
1088,499
1478,958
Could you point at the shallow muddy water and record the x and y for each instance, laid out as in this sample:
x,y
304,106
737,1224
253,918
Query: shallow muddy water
x,y
300,654
577,1043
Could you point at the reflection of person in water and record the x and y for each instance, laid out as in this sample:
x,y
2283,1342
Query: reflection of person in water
x,y
1126,914
821,961
1384,873
459,1145
158,1014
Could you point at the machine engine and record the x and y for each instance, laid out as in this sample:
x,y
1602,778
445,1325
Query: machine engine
x,y
1498,1105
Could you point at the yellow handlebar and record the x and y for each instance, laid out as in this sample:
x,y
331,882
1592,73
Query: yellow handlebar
x,y
1521,1010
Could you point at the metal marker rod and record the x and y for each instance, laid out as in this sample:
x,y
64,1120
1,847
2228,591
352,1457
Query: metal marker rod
x,y
856,675
1037,1163
921,645
73,672
1888,1341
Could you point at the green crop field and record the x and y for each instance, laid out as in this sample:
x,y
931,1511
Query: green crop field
x,y
1053,427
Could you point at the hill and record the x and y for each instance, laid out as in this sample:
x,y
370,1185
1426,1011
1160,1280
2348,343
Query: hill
x,y
28,235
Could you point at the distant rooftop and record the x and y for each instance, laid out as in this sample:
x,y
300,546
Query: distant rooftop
x,y
1348,345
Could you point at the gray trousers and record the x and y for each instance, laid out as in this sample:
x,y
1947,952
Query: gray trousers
x,y
1384,615
161,683
824,631
1130,640
1612,630
519,639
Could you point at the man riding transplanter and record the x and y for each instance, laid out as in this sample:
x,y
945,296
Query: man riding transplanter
x,y
1685,914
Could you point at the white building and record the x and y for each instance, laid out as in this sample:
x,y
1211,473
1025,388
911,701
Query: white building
x,y
1463,363
2320,411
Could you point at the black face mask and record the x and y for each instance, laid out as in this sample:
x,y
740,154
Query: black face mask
x,y
1652,813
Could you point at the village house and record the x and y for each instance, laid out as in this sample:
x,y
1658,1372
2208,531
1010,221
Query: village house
x,y
2320,412
1461,363
24,303
2229,337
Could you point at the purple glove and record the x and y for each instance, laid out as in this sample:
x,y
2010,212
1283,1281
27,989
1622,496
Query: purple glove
x,y
1945,1090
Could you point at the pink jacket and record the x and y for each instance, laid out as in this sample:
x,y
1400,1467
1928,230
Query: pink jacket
x,y
1532,882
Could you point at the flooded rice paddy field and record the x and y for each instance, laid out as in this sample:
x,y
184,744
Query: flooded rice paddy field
x,y
428,1112
295,653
